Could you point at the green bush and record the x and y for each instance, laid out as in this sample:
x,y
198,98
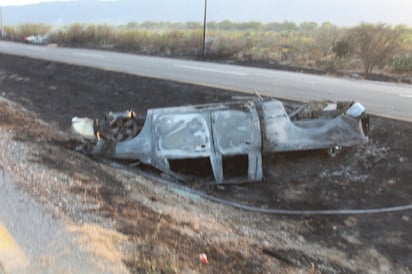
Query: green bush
x,y
402,63
341,49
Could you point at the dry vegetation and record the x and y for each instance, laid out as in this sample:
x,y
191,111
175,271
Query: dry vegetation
x,y
365,48
103,244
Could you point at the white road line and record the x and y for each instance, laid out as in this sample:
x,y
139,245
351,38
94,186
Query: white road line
x,y
210,70
36,48
406,95
91,55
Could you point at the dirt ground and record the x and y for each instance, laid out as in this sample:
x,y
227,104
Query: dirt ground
x,y
168,231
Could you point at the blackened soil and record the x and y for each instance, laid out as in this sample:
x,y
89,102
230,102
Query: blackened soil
x,y
375,175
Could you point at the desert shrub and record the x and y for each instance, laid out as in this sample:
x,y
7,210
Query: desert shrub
x,y
402,63
341,49
173,42
194,25
226,45
134,41
250,26
30,29
308,26
257,47
103,34
374,44
194,43
281,26
166,43
226,25
132,25
74,35
10,33
90,35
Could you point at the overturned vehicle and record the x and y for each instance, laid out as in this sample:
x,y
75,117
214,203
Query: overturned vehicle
x,y
221,131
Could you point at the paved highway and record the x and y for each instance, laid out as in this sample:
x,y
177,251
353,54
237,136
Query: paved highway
x,y
32,240
384,99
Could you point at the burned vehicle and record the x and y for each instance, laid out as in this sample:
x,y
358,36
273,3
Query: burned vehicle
x,y
220,131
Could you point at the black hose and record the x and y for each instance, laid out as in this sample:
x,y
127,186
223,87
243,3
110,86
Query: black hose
x,y
274,210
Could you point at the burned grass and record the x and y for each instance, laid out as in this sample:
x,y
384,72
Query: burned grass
x,y
374,175
160,242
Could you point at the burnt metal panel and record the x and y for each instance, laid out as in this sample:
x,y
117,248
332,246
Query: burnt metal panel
x,y
234,128
281,134
182,135
236,131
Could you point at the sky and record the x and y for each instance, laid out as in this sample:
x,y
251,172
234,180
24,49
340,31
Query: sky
x,y
340,12
21,2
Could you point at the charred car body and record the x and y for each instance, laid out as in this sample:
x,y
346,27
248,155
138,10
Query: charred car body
x,y
224,130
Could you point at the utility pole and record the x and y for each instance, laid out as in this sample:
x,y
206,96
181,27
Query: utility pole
x,y
1,22
204,31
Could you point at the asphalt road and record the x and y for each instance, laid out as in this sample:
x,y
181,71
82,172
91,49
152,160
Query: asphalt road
x,y
32,240
383,99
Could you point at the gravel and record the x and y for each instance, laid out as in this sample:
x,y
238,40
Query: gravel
x,y
37,207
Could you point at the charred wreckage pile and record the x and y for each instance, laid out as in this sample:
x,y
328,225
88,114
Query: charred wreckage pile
x,y
222,131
